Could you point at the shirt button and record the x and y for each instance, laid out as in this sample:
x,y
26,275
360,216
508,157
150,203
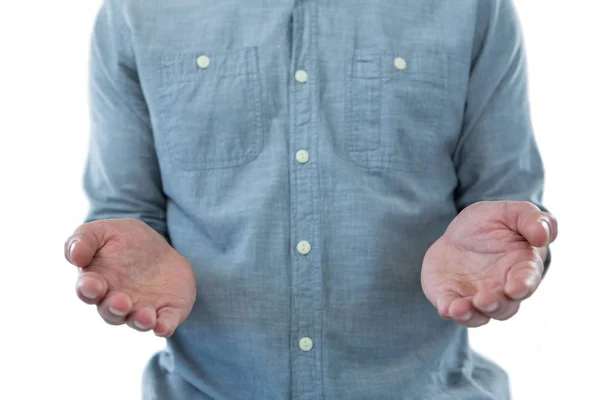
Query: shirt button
x,y
302,156
203,62
400,63
303,247
301,76
306,344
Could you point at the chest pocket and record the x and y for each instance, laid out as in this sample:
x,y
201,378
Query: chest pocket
x,y
395,108
210,108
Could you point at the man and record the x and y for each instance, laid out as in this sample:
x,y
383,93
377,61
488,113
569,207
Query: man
x,y
312,199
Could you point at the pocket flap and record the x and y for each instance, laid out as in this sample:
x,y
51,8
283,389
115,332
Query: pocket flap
x,y
183,67
416,65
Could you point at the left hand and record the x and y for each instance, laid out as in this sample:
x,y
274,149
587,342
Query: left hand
x,y
488,261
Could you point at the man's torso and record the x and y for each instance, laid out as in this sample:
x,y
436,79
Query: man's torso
x,y
306,152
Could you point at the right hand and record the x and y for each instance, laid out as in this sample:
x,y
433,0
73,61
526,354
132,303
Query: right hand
x,y
132,274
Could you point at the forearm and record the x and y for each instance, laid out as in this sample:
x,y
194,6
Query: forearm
x,y
122,175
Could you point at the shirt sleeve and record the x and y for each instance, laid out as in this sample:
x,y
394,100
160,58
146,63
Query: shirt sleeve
x,y
497,157
122,175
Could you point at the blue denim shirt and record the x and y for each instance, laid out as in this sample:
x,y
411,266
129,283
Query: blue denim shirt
x,y
303,155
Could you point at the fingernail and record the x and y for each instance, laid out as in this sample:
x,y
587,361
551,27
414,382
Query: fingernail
x,y
522,295
466,317
160,335
139,326
116,312
84,292
546,227
70,250
492,307
530,281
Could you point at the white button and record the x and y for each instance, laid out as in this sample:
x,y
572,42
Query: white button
x,y
302,156
306,344
303,247
301,76
400,63
203,62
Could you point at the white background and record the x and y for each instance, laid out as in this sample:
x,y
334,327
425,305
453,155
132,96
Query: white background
x,y
52,346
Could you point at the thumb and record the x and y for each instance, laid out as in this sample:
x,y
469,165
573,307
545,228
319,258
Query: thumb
x,y
82,245
538,227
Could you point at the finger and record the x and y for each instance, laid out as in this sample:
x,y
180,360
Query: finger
x,y
476,319
495,304
444,303
168,320
91,287
455,307
461,310
523,279
115,308
142,319
83,244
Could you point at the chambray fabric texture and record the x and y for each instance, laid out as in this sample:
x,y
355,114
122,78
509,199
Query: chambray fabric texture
x,y
409,112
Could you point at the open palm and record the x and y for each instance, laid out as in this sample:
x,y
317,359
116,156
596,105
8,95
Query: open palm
x,y
488,261
132,274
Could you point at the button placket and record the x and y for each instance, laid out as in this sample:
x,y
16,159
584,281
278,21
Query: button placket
x,y
304,191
